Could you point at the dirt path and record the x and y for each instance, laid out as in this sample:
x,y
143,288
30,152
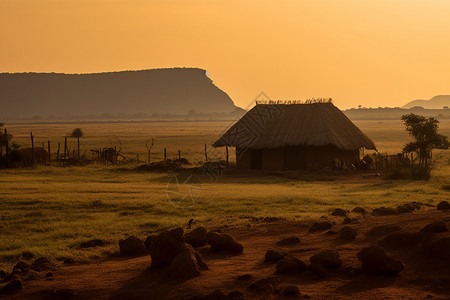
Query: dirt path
x,y
132,279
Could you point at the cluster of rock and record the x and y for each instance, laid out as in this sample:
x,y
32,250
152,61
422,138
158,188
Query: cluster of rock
x,y
23,271
175,250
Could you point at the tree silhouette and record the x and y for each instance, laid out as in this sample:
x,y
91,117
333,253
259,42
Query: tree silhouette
x,y
426,137
77,133
5,139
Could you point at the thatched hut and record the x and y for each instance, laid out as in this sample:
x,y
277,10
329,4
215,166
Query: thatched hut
x,y
286,136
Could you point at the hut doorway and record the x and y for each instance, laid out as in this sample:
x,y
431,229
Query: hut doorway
x,y
256,159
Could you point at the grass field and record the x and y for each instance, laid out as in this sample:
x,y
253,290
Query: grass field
x,y
50,210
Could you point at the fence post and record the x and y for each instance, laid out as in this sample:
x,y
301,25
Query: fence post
x,y
33,158
226,149
179,154
137,158
65,146
7,143
165,154
206,154
57,153
49,155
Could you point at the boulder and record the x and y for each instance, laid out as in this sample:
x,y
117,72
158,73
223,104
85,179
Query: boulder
x,y
224,242
185,264
339,212
245,277
437,226
201,264
290,291
196,237
289,241
273,256
384,211
347,233
383,230
376,261
320,226
164,248
236,295
290,265
443,205
42,264
440,249
359,210
408,207
149,240
265,286
329,259
131,246
13,285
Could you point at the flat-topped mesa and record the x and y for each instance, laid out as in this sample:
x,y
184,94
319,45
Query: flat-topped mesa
x,y
162,91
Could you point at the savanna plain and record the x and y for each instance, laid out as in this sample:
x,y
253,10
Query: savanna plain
x,y
53,210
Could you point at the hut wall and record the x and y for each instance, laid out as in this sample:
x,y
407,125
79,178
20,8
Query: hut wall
x,y
273,159
243,159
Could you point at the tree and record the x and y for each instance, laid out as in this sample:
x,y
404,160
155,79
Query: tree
x,y
426,137
77,133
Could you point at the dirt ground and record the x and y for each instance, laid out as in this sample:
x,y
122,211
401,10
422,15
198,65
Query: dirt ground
x,y
131,278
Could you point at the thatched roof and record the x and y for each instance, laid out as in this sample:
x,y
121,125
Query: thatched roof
x,y
279,125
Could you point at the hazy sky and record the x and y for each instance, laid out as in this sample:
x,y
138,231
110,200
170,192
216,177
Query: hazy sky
x,y
373,53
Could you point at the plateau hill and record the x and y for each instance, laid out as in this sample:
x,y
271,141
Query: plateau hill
x,y
170,91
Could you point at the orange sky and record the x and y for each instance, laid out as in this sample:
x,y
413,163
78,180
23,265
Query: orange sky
x,y
374,53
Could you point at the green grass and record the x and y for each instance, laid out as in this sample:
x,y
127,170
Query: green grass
x,y
51,210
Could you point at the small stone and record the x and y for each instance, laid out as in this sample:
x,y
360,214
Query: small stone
x,y
290,265
443,205
197,237
49,274
245,277
131,246
273,256
384,211
359,210
224,242
438,226
289,241
339,212
383,229
42,264
149,240
21,265
347,233
320,226
329,259
13,285
92,243
290,290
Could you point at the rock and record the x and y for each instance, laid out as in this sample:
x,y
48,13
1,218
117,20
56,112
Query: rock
x,y
384,211
290,265
131,246
347,220
329,259
12,276
13,285
339,212
359,210
149,240
178,234
185,264
347,233
289,241
92,243
236,295
69,261
30,275
245,277
398,240
440,249
438,226
273,256
42,264
273,281
3,274
383,229
330,232
49,274
196,237
21,265
376,261
406,208
290,291
164,248
201,264
320,226
443,205
318,270
224,242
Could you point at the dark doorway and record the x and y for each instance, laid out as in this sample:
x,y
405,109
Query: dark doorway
x,y
256,159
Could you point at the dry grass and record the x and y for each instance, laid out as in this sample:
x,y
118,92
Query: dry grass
x,y
50,210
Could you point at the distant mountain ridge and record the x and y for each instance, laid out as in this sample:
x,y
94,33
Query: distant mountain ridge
x,y
437,102
174,91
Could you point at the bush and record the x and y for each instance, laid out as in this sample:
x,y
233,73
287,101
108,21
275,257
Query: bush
x,y
414,172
